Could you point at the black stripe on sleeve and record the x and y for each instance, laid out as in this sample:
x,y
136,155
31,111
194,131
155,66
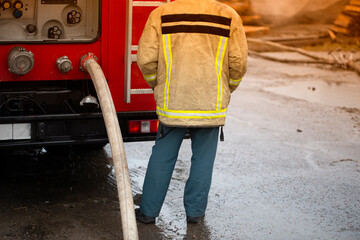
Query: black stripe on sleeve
x,y
196,18
196,29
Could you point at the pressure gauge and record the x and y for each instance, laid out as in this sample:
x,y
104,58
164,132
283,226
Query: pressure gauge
x,y
6,4
18,4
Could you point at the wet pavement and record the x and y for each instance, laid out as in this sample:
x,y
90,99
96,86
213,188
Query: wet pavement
x,y
289,169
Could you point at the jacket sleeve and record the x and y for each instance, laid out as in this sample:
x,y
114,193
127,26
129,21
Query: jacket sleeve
x,y
147,55
238,52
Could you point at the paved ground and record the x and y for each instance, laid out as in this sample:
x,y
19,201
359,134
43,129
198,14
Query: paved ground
x,y
289,169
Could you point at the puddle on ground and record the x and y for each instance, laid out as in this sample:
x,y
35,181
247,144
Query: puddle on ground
x,y
333,94
53,176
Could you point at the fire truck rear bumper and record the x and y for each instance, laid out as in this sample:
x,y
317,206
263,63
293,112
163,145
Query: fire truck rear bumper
x,y
66,129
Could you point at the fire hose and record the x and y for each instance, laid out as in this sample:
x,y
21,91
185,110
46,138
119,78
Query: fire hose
x,y
128,220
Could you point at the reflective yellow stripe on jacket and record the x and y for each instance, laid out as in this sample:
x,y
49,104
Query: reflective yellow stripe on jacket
x,y
151,77
219,65
235,82
190,114
168,61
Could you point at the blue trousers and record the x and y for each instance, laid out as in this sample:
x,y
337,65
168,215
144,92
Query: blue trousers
x,y
162,162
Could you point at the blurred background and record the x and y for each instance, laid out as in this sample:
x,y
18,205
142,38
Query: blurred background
x,y
330,23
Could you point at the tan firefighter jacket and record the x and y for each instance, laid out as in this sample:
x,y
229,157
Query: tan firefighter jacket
x,y
193,53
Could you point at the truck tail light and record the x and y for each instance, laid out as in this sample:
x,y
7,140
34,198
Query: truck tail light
x,y
143,126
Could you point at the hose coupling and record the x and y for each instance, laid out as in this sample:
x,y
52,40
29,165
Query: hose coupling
x,y
86,59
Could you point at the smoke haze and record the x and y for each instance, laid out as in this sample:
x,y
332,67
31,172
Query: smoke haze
x,y
288,8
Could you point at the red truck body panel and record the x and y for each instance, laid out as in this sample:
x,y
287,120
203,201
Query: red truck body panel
x,y
109,48
109,44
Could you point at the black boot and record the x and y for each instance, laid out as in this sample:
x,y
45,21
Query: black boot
x,y
143,218
193,219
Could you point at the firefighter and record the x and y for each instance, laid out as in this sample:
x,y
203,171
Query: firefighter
x,y
193,54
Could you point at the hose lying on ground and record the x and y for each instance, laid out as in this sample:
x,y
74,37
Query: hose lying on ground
x,y
129,227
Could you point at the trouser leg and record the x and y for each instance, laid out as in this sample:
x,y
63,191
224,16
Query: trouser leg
x,y
160,168
203,144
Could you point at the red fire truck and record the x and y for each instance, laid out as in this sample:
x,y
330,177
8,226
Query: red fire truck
x,y
45,97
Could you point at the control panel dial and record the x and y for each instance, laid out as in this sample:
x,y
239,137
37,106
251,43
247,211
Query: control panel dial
x,y
44,20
